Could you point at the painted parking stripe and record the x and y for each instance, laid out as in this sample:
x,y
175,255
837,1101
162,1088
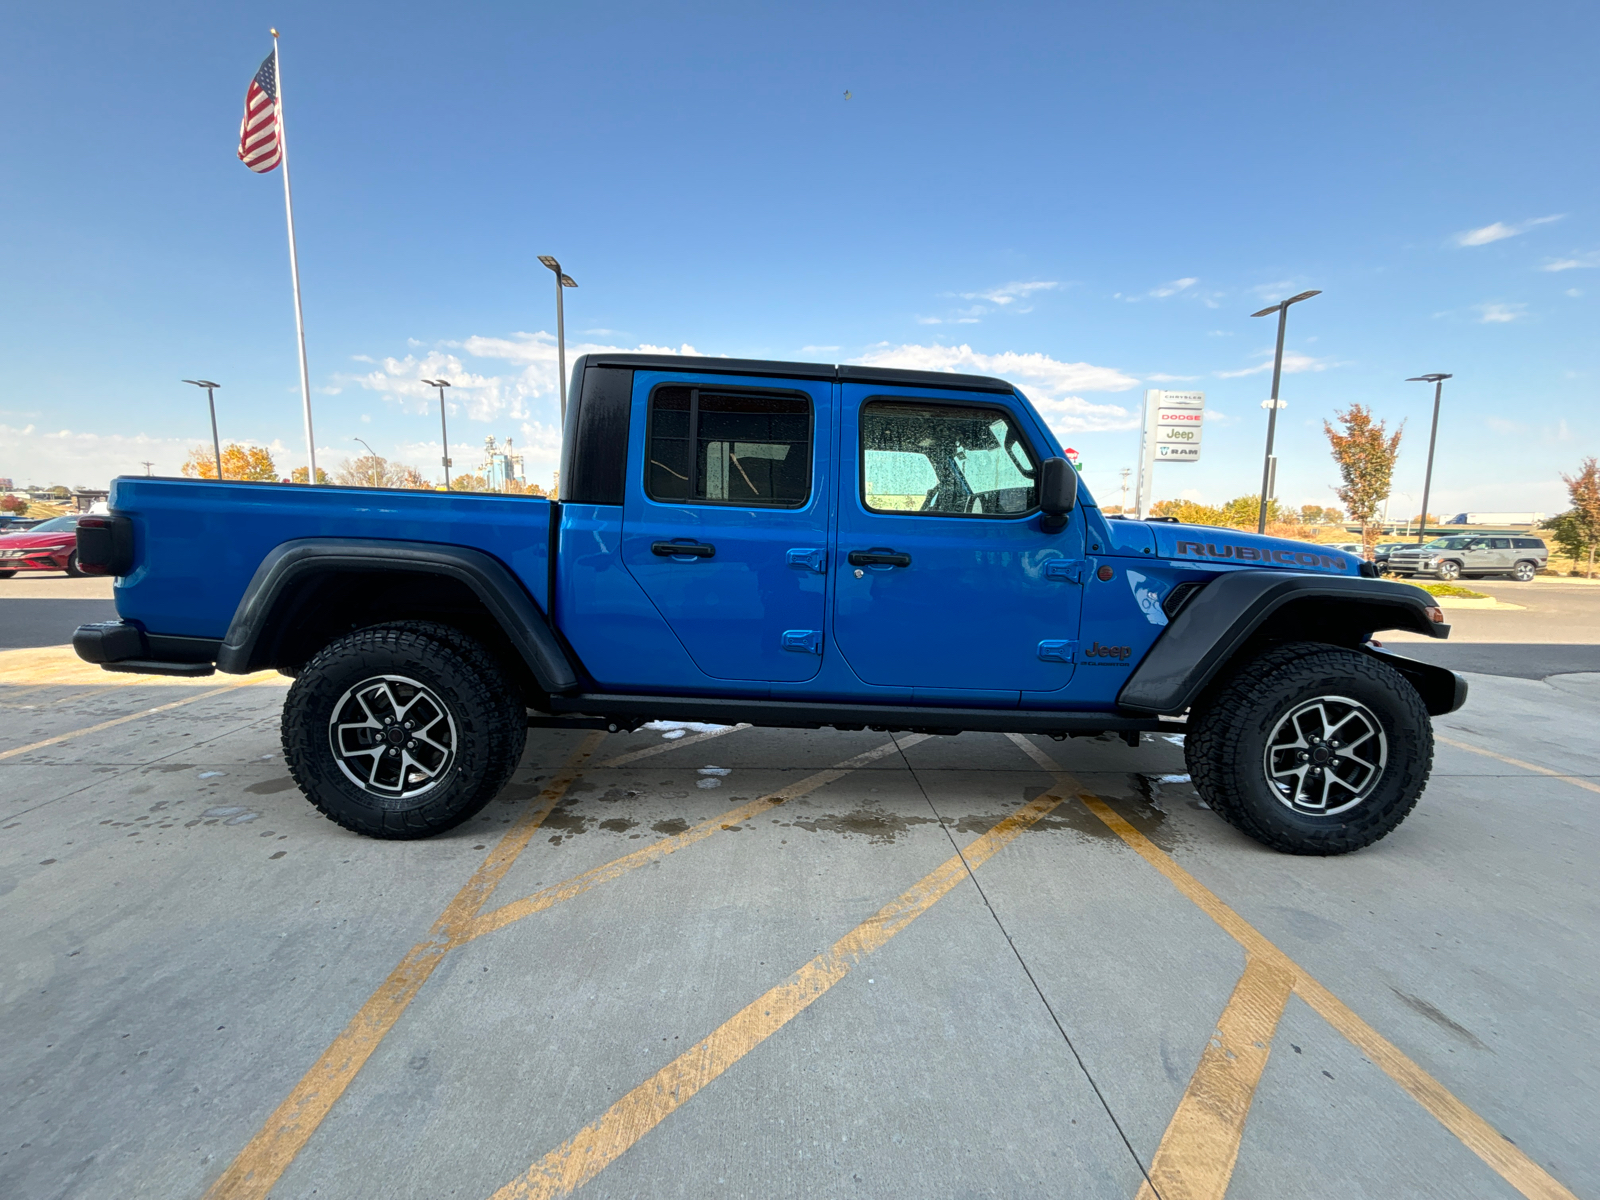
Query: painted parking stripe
x,y
267,1155
1575,780
144,712
645,855
1197,1153
678,744
1483,1139
260,1164
593,1148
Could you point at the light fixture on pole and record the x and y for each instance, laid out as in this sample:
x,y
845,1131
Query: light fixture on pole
x,y
372,455
1427,480
211,402
444,433
562,281
1282,309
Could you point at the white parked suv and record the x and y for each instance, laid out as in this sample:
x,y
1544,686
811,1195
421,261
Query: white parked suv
x,y
1457,557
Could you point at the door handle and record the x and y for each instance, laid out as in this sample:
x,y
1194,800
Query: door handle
x,y
878,558
693,549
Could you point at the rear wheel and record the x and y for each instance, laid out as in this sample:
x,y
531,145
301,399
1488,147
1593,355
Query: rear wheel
x,y
1311,749
1524,571
402,731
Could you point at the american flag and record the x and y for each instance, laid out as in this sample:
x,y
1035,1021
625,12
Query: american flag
x,y
260,142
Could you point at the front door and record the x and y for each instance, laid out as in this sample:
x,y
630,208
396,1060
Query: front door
x,y
946,582
725,523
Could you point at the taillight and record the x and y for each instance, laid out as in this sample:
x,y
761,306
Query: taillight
x,y
105,545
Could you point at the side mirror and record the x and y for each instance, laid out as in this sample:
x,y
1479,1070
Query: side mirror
x,y
1058,493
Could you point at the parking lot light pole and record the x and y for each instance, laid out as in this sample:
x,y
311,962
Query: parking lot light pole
x,y
1427,480
374,458
1282,309
211,402
444,433
562,281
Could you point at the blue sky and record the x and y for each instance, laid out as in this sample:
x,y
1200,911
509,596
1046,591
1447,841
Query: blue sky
x,y
1087,199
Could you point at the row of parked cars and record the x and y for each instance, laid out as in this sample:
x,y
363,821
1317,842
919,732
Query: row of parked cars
x,y
49,545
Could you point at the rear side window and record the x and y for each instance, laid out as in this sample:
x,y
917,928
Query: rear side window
x,y
749,449
1527,543
945,459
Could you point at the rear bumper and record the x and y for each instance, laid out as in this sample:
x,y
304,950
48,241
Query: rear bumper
x,y
120,646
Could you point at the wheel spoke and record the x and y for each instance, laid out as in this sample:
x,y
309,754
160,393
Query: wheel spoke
x,y
368,757
1311,775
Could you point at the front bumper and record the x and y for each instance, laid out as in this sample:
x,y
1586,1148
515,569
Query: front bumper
x,y
35,560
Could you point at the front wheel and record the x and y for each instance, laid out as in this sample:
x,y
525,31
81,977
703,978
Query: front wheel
x,y
402,731
1448,571
1524,571
1311,749
72,566
6,574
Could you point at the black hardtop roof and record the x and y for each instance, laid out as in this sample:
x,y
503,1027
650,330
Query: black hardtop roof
x,y
793,370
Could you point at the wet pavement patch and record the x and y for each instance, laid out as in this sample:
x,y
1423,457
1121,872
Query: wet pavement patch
x,y
270,787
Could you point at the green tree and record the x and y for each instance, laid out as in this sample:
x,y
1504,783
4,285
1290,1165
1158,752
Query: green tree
x,y
1577,531
1244,512
1365,452
1190,512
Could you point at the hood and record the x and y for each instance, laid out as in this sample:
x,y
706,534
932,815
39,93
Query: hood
x,y
1237,547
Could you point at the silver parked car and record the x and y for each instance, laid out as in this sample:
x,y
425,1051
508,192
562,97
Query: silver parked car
x,y
1457,557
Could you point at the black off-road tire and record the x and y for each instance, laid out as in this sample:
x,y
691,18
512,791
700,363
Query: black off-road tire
x,y
1231,725
484,705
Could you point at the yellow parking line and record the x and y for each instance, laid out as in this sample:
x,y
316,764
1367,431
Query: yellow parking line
x,y
260,1164
1482,1138
593,1148
143,712
1197,1153
678,744
1517,762
645,855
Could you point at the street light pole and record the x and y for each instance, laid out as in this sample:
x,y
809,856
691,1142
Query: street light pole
x,y
1427,480
1282,309
444,433
562,281
372,456
211,402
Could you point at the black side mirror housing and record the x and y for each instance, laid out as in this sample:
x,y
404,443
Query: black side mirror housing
x,y
1058,493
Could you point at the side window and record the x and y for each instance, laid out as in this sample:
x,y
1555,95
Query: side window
x,y
1527,543
740,448
945,459
1499,543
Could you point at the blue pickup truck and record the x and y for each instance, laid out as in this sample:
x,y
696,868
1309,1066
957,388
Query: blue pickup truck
x,y
784,544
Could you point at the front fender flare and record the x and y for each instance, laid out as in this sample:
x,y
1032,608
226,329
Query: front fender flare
x,y
490,580
1234,607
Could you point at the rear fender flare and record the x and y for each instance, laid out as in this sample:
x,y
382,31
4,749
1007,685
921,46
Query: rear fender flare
x,y
1240,605
294,562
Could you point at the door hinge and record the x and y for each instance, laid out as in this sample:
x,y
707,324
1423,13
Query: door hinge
x,y
1067,570
1057,651
812,560
803,641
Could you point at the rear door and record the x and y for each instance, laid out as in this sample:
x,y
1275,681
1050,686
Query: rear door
x,y
726,518
945,581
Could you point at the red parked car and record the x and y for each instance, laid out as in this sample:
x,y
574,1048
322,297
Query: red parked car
x,y
49,546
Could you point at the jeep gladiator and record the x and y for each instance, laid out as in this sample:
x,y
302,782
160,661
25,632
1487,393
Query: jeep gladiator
x,y
783,544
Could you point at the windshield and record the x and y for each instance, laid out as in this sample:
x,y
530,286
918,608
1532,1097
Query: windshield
x,y
1450,543
55,525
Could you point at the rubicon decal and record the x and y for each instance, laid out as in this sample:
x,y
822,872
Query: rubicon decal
x,y
1264,554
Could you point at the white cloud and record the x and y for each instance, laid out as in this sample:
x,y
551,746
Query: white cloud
x,y
1592,259
1012,292
1499,314
819,349
1158,377
1275,291
37,458
1220,333
1573,292
1048,381
1173,288
1294,363
1499,230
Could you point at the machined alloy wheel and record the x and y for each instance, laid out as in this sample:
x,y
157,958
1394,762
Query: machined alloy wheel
x,y
392,736
1525,571
1325,756
1448,570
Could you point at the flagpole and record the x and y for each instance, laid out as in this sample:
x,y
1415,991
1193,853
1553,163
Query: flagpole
x,y
294,267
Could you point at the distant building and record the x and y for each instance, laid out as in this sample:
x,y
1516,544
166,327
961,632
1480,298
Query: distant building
x,y
1496,518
